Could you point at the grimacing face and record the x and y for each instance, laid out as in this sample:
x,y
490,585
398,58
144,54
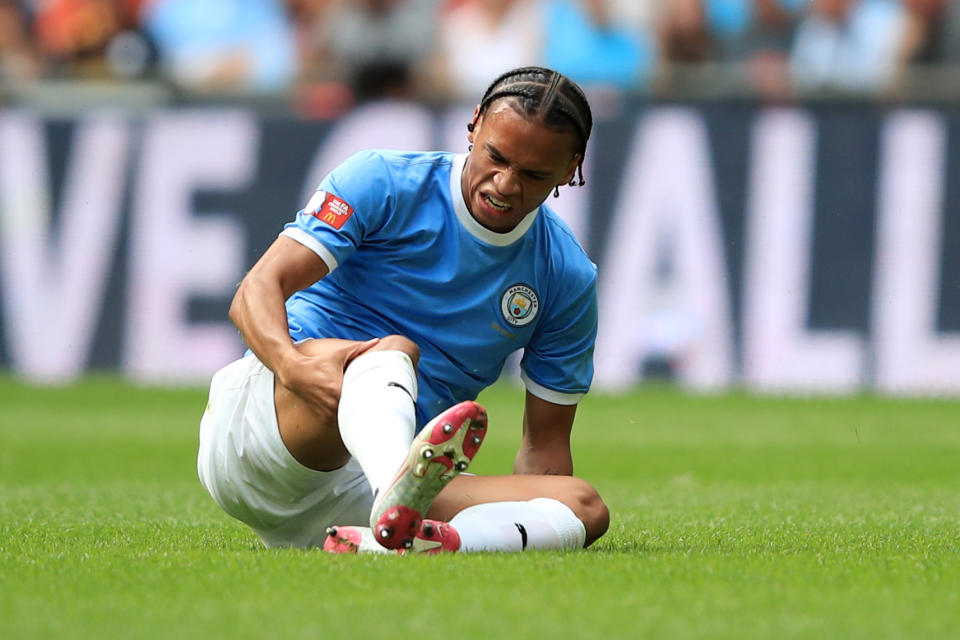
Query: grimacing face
x,y
514,165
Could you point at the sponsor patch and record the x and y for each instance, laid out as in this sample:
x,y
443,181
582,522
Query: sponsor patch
x,y
519,305
329,208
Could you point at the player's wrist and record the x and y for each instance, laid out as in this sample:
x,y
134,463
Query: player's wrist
x,y
288,363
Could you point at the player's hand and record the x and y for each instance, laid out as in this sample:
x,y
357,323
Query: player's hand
x,y
317,377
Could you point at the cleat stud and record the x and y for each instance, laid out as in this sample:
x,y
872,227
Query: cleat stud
x,y
385,532
427,453
462,465
332,532
477,439
407,544
427,529
448,428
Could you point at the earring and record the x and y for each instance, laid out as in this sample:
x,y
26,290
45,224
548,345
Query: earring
x,y
556,191
470,147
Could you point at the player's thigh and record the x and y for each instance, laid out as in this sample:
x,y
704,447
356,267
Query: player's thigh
x,y
578,494
247,469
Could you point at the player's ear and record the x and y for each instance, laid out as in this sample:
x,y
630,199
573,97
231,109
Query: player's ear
x,y
472,125
571,169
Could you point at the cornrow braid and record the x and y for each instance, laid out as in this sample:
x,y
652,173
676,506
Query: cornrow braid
x,y
547,95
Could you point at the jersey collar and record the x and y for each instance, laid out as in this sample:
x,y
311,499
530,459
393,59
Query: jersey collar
x,y
475,228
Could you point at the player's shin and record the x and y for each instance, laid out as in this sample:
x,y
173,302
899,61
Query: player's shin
x,y
377,416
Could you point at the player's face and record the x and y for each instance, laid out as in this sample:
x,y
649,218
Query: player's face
x,y
514,165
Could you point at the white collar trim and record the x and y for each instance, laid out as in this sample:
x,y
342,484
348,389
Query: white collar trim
x,y
470,224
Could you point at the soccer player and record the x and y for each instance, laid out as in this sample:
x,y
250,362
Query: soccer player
x,y
394,297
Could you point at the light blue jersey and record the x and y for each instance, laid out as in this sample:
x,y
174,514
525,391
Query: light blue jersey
x,y
406,257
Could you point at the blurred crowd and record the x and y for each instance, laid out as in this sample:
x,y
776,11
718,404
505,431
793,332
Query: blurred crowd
x,y
345,51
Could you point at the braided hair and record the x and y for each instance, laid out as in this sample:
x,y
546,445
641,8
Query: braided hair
x,y
549,96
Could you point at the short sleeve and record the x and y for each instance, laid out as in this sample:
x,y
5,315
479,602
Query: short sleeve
x,y
350,203
557,364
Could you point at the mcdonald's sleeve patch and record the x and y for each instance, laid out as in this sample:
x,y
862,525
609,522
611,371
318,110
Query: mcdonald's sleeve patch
x,y
334,211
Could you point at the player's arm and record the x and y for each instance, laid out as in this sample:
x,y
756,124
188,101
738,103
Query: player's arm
x,y
545,446
258,308
259,313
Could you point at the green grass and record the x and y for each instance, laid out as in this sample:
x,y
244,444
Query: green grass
x,y
733,517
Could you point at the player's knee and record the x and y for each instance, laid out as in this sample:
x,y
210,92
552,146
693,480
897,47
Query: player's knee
x,y
321,346
591,509
400,343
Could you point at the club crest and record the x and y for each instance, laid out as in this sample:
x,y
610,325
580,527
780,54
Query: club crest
x,y
519,305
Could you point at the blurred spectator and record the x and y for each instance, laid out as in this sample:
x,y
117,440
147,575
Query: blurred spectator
x,y
926,31
339,51
131,53
756,34
744,28
636,14
683,33
73,35
728,20
583,41
927,36
683,41
379,46
308,17
225,44
480,39
18,57
848,45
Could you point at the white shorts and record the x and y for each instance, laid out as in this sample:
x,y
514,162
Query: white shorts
x,y
246,468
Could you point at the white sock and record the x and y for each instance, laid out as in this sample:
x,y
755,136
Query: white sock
x,y
377,417
541,523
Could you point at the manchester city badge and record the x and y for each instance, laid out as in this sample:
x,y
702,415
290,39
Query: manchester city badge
x,y
519,305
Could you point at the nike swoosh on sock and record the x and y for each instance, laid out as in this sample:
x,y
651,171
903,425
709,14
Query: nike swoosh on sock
x,y
523,535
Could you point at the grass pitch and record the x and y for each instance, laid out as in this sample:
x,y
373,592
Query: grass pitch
x,y
734,517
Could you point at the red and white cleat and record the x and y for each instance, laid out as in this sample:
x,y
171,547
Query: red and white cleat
x,y
435,537
343,539
347,539
444,448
